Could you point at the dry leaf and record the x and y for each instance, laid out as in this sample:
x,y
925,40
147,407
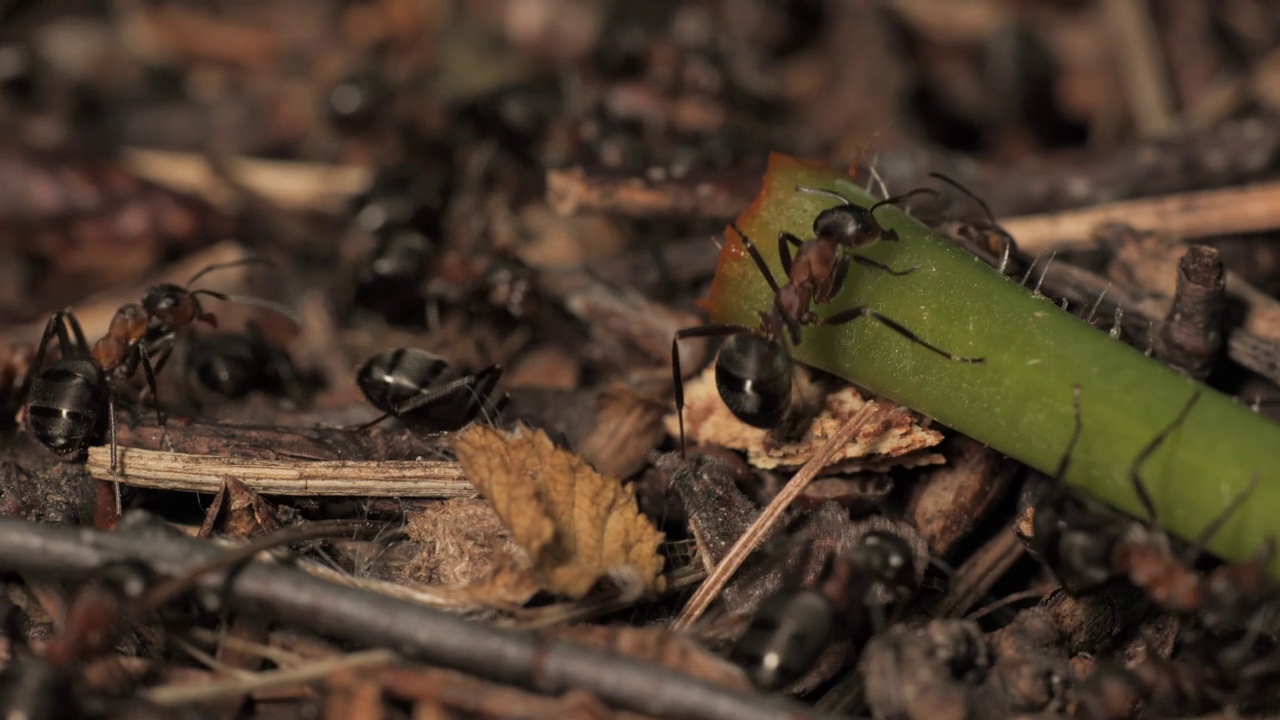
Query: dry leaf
x,y
577,525
708,420
237,511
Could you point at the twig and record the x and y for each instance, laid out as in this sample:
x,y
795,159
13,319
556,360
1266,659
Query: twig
x,y
185,693
294,185
723,195
768,518
1142,66
1191,336
1190,215
287,595
976,576
200,473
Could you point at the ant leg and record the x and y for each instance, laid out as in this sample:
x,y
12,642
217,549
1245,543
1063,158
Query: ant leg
x,y
877,265
81,343
1148,505
111,423
155,396
424,397
1216,524
784,240
51,328
759,259
371,423
849,316
678,378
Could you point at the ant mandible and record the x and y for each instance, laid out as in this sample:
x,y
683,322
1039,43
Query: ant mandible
x,y
753,368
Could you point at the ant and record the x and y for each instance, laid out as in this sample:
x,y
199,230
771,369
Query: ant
x,y
987,231
65,401
425,392
236,364
1085,551
793,627
753,368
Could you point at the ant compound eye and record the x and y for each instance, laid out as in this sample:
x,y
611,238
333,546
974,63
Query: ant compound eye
x,y
753,376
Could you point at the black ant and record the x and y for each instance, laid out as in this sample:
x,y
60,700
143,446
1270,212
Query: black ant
x,y
423,391
236,364
793,627
753,368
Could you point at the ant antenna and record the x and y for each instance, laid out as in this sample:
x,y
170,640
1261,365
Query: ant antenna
x,y
229,264
898,199
263,303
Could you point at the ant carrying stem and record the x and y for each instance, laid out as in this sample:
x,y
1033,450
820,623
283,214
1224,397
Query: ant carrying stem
x,y
753,368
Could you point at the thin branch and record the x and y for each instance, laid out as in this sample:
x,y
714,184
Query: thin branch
x,y
286,595
768,519
200,473
1190,215
186,693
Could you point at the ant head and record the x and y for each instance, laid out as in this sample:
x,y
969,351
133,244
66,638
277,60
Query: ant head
x,y
171,305
846,225
1076,544
228,374
401,256
887,557
753,376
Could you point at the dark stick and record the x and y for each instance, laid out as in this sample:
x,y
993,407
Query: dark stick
x,y
1191,336
369,619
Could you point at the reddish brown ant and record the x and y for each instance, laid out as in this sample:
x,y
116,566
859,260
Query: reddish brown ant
x,y
69,402
753,368
1085,550
988,232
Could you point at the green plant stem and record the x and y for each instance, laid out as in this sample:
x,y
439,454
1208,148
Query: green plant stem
x,y
1019,400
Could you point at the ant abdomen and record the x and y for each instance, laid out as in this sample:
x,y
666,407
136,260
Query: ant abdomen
x,y
66,403
423,390
753,376
788,633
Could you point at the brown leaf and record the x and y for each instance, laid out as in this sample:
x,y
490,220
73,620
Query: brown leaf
x,y
628,425
577,525
238,512
709,421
